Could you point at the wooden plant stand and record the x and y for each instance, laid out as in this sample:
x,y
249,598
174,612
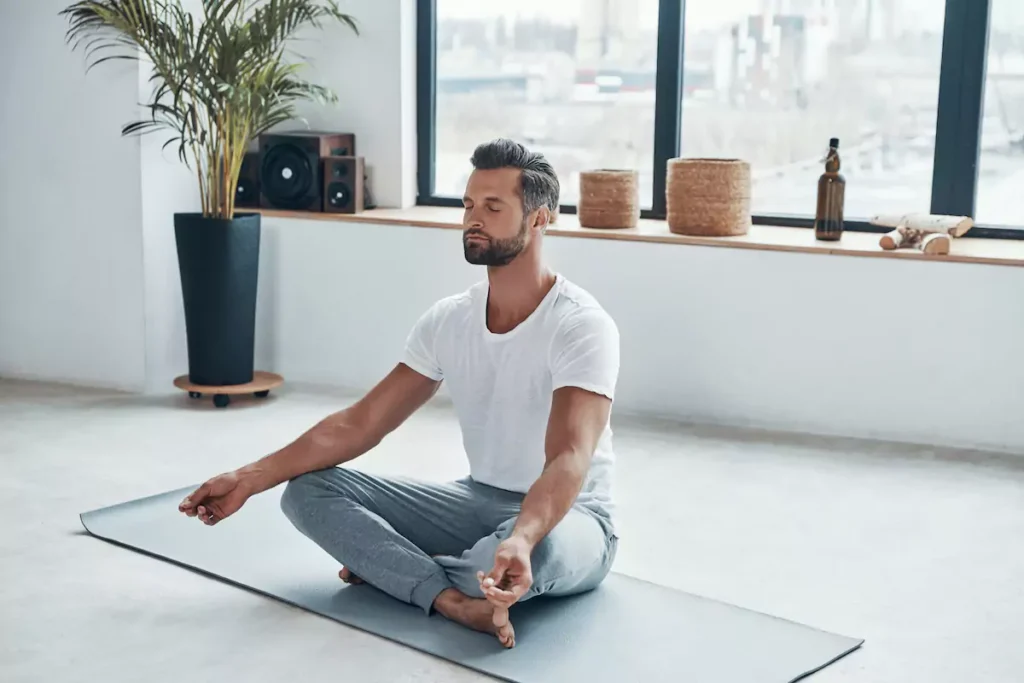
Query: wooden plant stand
x,y
260,386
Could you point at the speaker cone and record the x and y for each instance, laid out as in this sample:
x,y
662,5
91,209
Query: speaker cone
x,y
339,195
287,176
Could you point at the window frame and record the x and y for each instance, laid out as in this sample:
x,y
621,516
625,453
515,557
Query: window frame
x,y
957,130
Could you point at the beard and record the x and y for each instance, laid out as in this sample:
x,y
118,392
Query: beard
x,y
494,252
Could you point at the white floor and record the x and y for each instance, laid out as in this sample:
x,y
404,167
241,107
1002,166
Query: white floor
x,y
919,551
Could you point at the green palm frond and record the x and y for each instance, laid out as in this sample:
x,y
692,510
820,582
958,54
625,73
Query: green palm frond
x,y
220,77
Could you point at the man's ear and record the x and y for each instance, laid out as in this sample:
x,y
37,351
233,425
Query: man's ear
x,y
542,218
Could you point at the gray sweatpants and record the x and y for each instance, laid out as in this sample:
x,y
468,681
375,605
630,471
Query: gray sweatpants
x,y
413,539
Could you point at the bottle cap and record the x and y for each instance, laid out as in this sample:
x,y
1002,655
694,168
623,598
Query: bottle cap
x,y
834,142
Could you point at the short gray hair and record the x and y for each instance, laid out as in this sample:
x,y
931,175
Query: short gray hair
x,y
538,184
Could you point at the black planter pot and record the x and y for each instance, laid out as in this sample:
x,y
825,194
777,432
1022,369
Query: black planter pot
x,y
219,264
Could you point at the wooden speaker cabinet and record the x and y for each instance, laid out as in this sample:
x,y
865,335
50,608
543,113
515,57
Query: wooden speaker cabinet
x,y
343,184
291,168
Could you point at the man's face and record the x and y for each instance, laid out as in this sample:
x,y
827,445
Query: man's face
x,y
496,231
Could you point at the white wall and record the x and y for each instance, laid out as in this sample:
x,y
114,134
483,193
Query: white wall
x,y
914,351
374,75
89,284
71,300
89,289
168,187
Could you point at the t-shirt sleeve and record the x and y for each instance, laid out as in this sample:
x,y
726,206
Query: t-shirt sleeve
x,y
420,346
586,353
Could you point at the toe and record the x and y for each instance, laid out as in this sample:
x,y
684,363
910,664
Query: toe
x,y
348,577
506,636
503,628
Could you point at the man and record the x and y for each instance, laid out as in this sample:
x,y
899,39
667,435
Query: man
x,y
531,362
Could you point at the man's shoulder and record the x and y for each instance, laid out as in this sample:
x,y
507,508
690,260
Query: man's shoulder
x,y
575,301
585,347
579,310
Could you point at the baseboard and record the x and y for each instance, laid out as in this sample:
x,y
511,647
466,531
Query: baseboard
x,y
71,382
815,435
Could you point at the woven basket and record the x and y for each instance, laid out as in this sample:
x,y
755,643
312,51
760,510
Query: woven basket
x,y
609,199
708,197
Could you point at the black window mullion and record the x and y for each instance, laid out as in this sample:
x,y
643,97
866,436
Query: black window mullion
x,y
426,97
961,104
668,98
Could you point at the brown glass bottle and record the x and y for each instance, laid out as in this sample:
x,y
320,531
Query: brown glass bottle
x,y
828,219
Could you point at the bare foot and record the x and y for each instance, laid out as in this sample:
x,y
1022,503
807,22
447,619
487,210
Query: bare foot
x,y
348,577
477,614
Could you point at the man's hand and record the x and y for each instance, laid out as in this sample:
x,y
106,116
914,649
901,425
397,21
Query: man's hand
x,y
218,498
511,576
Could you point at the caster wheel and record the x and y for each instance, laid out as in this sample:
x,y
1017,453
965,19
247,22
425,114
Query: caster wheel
x,y
262,394
221,400
194,394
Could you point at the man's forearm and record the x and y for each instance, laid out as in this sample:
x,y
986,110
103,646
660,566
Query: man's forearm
x,y
551,496
334,440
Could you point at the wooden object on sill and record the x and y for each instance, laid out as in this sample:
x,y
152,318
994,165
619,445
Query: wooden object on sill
x,y
260,386
609,199
929,233
708,197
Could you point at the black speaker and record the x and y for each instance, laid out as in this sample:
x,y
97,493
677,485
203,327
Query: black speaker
x,y
291,170
247,194
343,184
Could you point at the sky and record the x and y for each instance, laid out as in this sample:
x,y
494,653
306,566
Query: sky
x,y
567,11
703,13
923,15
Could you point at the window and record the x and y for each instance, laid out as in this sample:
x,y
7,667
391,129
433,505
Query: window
x,y
1001,166
573,79
772,87
926,97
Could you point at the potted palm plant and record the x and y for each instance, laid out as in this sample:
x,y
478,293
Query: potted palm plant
x,y
221,77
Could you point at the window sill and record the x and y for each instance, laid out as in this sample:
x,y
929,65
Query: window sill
x,y
763,237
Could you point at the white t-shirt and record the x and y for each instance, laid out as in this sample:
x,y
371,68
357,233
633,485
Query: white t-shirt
x,y
502,384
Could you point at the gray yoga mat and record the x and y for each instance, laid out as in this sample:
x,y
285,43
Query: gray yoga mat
x,y
626,630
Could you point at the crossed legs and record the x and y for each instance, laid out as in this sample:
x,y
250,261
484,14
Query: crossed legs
x,y
424,544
